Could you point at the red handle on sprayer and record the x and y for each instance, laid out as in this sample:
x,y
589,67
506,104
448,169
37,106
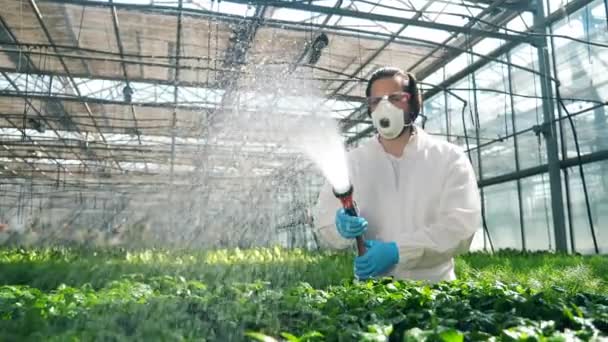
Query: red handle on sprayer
x,y
350,207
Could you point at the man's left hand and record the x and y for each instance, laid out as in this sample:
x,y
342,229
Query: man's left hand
x,y
378,258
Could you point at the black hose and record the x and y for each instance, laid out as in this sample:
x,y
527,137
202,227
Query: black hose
x,y
477,128
516,155
464,128
581,169
466,138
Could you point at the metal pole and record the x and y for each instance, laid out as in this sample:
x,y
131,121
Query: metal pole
x,y
549,129
563,148
479,163
176,89
515,146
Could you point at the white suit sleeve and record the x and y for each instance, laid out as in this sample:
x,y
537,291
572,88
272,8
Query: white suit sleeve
x,y
324,215
454,224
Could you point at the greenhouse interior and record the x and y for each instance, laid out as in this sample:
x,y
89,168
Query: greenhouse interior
x,y
162,162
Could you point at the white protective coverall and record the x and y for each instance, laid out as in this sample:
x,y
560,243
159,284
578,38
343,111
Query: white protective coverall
x,y
427,201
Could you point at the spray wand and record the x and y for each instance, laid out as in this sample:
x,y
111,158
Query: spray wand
x,y
350,207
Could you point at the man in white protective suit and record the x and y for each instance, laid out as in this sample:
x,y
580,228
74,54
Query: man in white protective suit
x,y
417,195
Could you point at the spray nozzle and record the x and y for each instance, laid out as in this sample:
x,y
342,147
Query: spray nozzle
x,y
350,207
342,193
346,197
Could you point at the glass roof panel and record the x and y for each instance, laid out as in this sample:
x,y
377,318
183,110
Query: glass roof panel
x,y
599,11
137,2
445,12
221,7
341,109
434,78
552,5
388,7
4,84
289,14
456,65
450,14
236,9
358,127
485,46
431,35
363,24
521,23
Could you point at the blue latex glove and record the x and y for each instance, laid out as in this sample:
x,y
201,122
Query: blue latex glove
x,y
378,258
350,226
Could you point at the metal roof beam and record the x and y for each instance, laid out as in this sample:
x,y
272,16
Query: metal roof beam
x,y
30,104
36,145
23,60
345,31
31,165
152,82
178,47
359,112
383,18
516,5
236,53
469,41
381,48
127,90
50,39
40,96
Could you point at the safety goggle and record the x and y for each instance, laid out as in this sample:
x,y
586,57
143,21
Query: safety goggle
x,y
394,98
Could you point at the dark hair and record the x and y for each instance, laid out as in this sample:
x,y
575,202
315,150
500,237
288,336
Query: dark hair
x,y
411,87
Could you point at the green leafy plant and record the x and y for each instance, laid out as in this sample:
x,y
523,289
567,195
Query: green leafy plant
x,y
273,294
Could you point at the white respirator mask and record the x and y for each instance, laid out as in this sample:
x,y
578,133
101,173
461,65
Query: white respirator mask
x,y
388,119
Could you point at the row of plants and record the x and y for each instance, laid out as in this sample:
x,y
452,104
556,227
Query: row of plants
x,y
268,294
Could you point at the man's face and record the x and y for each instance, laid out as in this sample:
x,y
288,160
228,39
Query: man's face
x,y
393,87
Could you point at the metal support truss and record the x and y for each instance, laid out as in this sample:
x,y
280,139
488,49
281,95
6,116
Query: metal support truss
x,y
48,36
178,47
468,42
28,102
27,65
381,48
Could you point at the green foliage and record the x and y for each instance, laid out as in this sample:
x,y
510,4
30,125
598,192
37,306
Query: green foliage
x,y
62,294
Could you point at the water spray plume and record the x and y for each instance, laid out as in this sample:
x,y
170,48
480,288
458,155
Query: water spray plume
x,y
237,178
321,143
324,146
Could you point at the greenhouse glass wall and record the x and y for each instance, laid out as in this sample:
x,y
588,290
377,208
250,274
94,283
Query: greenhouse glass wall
x,y
495,113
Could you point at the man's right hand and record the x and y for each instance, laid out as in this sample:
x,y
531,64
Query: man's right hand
x,y
348,226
